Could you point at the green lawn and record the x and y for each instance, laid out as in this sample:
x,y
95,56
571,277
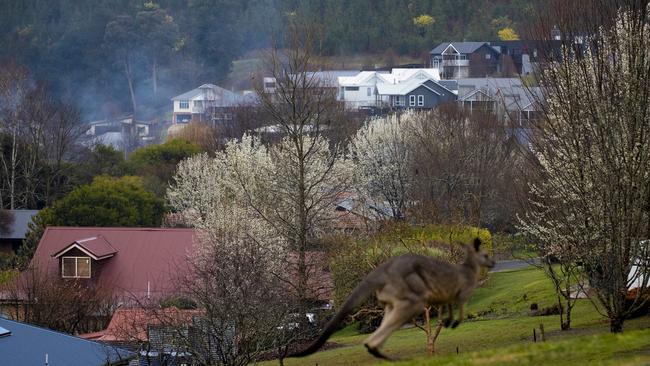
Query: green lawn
x,y
503,334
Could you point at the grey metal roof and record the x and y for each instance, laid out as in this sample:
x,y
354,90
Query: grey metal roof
x,y
449,84
462,47
19,226
28,345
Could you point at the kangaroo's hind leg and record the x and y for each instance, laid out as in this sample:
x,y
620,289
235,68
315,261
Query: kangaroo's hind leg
x,y
401,312
461,308
450,317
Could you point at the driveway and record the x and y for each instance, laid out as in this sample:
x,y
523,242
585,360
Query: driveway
x,y
512,264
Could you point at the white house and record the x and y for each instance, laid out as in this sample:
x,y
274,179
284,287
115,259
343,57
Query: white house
x,y
380,89
192,105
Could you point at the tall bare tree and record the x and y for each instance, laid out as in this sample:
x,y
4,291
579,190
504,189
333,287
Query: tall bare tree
x,y
593,195
306,181
461,164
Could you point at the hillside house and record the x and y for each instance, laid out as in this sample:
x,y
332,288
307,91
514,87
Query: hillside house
x,y
457,60
207,103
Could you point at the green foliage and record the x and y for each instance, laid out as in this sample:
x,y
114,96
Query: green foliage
x,y
156,164
101,160
107,201
8,275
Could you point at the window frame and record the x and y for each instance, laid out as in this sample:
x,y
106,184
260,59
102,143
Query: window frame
x,y
412,100
420,100
76,267
184,104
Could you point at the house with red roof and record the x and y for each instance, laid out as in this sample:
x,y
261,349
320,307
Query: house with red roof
x,y
135,263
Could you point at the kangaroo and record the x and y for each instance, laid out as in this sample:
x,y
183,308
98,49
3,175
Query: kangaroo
x,y
405,285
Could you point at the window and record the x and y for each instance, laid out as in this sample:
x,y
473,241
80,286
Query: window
x,y
420,100
75,267
198,104
184,104
398,101
488,56
351,88
369,91
412,100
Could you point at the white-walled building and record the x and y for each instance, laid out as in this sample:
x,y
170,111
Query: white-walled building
x,y
380,88
192,105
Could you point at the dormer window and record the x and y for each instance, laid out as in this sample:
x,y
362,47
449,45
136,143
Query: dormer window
x,y
75,267
75,258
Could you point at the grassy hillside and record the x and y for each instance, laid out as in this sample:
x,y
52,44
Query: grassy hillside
x,y
502,332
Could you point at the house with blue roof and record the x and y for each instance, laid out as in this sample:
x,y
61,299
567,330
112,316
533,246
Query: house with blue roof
x,y
25,344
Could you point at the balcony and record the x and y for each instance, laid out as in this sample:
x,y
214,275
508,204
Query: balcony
x,y
455,63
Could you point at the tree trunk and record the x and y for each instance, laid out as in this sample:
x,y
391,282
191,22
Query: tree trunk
x,y
129,78
616,324
12,191
155,78
567,324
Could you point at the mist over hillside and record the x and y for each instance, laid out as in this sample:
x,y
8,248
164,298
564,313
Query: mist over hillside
x,y
113,56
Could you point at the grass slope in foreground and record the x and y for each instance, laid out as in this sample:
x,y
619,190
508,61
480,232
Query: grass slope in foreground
x,y
502,328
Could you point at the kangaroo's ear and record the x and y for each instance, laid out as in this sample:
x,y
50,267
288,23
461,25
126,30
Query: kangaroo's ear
x,y
477,244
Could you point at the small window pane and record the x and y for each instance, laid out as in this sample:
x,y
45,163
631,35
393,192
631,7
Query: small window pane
x,y
83,267
69,267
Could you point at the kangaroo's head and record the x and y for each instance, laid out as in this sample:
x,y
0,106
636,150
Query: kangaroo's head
x,y
478,255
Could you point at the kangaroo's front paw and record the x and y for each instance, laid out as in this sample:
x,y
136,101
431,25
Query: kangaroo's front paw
x,y
455,324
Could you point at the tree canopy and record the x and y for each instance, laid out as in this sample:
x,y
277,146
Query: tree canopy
x,y
107,201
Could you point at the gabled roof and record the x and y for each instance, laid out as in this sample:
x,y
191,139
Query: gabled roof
x,y
221,97
97,247
28,345
474,92
363,78
461,47
132,324
146,261
407,86
19,226
329,78
510,92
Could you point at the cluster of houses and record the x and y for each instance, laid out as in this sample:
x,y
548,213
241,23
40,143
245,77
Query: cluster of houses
x,y
476,75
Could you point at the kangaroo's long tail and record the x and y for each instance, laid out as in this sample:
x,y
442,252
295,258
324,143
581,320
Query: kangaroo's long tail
x,y
356,298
